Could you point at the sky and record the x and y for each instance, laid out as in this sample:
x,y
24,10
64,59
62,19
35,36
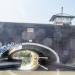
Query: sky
x,y
34,11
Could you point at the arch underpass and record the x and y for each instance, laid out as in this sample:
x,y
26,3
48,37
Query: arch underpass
x,y
46,55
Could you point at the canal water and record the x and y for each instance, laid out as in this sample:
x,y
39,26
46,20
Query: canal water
x,y
9,72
